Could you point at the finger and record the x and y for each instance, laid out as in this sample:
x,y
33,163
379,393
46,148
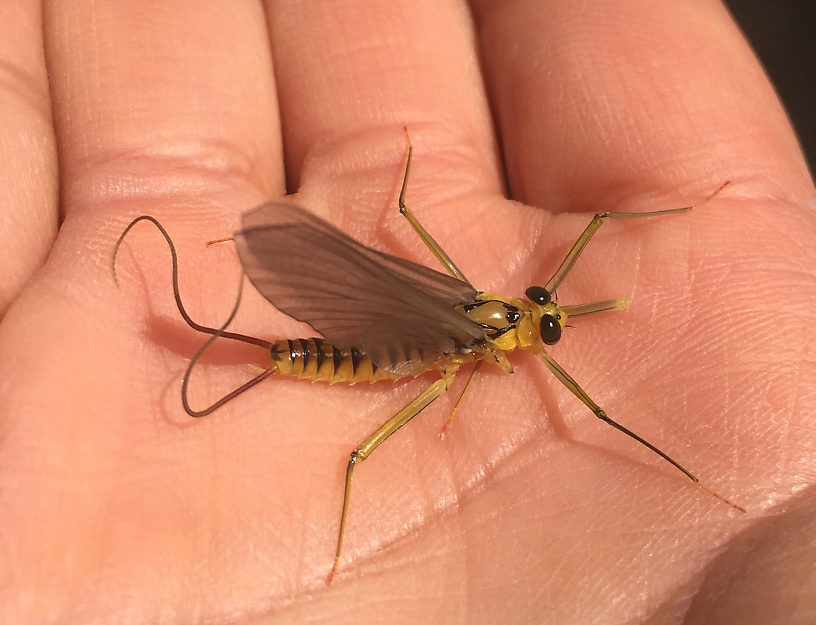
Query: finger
x,y
177,106
633,94
173,113
351,77
28,212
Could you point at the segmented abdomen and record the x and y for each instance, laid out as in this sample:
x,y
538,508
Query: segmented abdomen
x,y
318,360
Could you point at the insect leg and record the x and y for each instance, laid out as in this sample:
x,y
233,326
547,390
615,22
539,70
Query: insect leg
x,y
426,237
472,375
576,390
365,449
594,226
217,241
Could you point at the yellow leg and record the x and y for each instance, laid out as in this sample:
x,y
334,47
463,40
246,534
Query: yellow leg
x,y
576,390
365,449
594,226
473,372
217,241
427,239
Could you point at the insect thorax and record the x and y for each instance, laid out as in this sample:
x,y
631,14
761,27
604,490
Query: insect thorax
x,y
509,322
499,316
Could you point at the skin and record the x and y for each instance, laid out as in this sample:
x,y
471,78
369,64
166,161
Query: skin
x,y
117,506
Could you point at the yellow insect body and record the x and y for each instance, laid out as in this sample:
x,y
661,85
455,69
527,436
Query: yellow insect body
x,y
511,323
318,360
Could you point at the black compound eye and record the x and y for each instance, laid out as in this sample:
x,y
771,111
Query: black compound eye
x,y
550,329
538,295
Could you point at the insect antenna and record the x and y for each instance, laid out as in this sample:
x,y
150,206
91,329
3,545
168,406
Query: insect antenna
x,y
215,332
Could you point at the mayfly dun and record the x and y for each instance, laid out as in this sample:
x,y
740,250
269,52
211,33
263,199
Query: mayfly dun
x,y
403,319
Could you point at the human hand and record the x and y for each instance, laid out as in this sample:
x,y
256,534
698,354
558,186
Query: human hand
x,y
118,506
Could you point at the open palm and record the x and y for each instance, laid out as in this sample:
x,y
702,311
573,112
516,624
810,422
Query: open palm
x,y
116,506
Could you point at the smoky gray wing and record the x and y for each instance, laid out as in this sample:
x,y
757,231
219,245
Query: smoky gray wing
x,y
401,313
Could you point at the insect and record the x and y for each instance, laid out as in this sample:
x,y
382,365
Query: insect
x,y
382,317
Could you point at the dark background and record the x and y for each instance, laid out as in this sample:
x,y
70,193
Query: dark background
x,y
783,34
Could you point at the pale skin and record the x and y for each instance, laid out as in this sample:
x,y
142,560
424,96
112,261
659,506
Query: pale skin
x,y
114,504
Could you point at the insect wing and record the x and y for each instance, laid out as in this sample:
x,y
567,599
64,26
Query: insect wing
x,y
401,313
